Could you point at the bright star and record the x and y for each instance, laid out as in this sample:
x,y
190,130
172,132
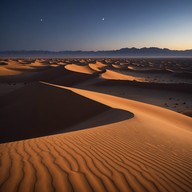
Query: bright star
x,y
103,19
41,20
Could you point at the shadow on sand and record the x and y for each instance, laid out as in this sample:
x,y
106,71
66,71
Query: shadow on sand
x,y
39,110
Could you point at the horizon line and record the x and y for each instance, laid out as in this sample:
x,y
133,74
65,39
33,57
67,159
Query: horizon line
x,y
28,50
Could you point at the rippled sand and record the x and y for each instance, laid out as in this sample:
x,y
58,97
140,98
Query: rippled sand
x,y
88,125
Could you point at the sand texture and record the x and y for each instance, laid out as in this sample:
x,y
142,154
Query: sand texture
x,y
84,125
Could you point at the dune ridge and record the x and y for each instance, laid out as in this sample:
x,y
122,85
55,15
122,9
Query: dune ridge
x,y
44,110
98,66
149,152
134,106
79,68
88,139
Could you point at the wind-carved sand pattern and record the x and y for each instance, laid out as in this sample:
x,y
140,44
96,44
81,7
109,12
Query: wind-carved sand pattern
x,y
122,145
103,159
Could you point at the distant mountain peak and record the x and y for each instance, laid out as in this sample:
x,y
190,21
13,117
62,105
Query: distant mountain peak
x,y
123,52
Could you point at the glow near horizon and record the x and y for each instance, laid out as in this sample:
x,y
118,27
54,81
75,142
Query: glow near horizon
x,y
173,34
163,24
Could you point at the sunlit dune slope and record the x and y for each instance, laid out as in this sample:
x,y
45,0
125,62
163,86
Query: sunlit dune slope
x,y
22,71
115,144
150,152
26,66
4,71
153,112
109,74
98,66
54,74
79,68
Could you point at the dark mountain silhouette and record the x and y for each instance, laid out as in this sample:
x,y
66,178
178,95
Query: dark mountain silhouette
x,y
124,52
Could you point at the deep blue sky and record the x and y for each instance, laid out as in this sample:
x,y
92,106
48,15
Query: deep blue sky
x,y
78,24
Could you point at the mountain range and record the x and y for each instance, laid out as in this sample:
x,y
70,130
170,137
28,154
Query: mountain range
x,y
124,52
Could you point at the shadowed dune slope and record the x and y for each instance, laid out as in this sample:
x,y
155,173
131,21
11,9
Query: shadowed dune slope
x,y
60,75
40,109
150,152
146,111
119,145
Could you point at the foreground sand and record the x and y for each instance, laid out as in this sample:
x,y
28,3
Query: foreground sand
x,y
120,145
150,152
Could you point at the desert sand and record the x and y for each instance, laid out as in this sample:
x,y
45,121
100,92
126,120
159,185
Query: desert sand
x,y
95,125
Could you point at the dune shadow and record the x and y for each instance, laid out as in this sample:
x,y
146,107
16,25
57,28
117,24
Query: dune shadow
x,y
40,110
108,117
58,75
3,63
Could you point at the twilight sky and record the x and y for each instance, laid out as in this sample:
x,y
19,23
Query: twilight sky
x,y
79,25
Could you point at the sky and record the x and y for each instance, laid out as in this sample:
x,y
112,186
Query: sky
x,y
92,25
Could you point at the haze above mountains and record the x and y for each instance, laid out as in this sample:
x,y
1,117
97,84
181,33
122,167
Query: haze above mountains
x,y
124,52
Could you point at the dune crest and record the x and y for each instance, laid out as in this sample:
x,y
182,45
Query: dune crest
x,y
49,110
145,153
109,74
88,138
79,68
98,66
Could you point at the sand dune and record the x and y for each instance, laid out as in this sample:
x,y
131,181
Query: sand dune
x,y
55,74
3,63
80,69
43,110
134,107
98,66
17,66
150,152
66,77
116,66
8,72
20,71
109,74
62,76
92,141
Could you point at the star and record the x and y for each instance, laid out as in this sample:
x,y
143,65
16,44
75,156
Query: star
x,y
103,19
41,20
